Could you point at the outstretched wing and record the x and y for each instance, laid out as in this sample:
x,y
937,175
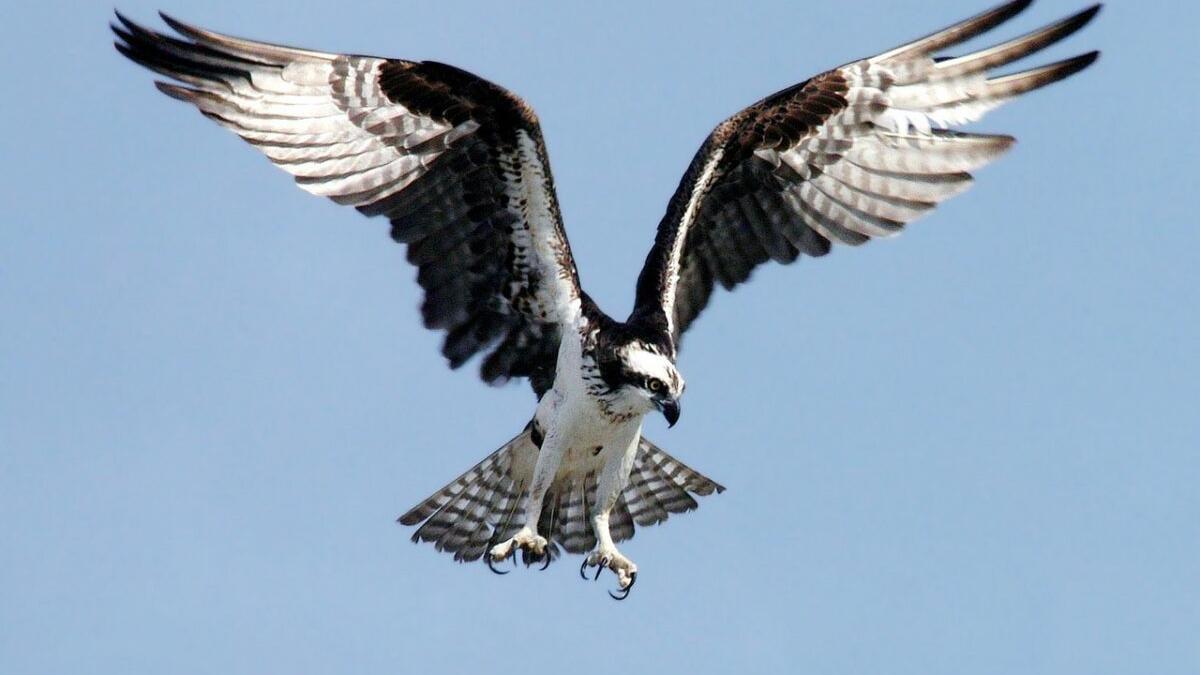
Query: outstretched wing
x,y
850,155
456,163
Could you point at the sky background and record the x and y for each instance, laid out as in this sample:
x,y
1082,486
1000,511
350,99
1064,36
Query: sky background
x,y
972,449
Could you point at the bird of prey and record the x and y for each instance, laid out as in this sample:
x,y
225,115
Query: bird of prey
x,y
458,166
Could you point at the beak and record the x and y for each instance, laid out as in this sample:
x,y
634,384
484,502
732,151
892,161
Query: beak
x,y
670,410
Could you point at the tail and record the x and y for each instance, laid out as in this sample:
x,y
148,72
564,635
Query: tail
x,y
485,505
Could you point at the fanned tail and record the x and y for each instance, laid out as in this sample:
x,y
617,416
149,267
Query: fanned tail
x,y
485,505
481,507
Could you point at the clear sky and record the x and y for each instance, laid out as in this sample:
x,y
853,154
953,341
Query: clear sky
x,y
972,449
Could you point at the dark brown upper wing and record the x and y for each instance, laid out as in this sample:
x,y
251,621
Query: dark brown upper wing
x,y
455,162
850,155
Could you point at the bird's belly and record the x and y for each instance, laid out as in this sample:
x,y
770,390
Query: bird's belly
x,y
588,435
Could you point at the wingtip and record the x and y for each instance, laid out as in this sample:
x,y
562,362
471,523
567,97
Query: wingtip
x,y
995,16
131,29
1089,58
1084,17
1075,64
410,518
1036,78
175,91
1009,10
959,32
175,24
126,25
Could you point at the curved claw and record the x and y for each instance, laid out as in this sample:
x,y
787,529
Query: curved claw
x,y
624,592
487,558
530,558
600,565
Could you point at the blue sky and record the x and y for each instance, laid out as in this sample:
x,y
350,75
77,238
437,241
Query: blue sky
x,y
970,449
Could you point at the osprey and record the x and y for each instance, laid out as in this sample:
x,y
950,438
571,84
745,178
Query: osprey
x,y
457,164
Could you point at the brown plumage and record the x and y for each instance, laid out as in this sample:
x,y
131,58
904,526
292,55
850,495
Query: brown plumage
x,y
850,155
458,166
435,149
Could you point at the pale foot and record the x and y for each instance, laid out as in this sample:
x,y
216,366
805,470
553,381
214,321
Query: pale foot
x,y
532,546
611,558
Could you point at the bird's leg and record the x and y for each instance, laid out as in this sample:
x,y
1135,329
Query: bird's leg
x,y
527,538
613,479
607,555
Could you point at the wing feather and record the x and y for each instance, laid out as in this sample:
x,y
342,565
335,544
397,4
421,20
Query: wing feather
x,y
455,162
851,155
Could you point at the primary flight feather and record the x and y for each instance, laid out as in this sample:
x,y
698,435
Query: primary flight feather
x,y
458,166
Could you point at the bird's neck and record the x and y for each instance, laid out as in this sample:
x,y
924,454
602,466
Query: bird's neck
x,y
644,323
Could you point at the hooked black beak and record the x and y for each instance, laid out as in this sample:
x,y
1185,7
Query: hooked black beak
x,y
670,410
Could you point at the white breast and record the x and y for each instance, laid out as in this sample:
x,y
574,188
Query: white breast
x,y
575,413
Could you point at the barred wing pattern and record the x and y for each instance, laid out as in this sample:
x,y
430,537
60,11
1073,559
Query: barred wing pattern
x,y
485,505
848,156
456,163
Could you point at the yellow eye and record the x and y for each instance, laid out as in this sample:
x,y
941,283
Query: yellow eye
x,y
656,385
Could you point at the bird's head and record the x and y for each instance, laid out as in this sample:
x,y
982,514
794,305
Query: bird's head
x,y
647,378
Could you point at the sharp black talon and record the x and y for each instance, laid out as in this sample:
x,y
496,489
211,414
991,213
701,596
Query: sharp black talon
x,y
582,567
625,591
547,563
599,569
487,557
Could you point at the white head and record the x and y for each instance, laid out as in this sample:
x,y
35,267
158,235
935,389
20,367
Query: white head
x,y
648,379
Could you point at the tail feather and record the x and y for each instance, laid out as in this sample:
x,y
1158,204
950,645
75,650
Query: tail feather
x,y
510,510
460,517
641,495
620,522
484,505
574,525
548,523
472,530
